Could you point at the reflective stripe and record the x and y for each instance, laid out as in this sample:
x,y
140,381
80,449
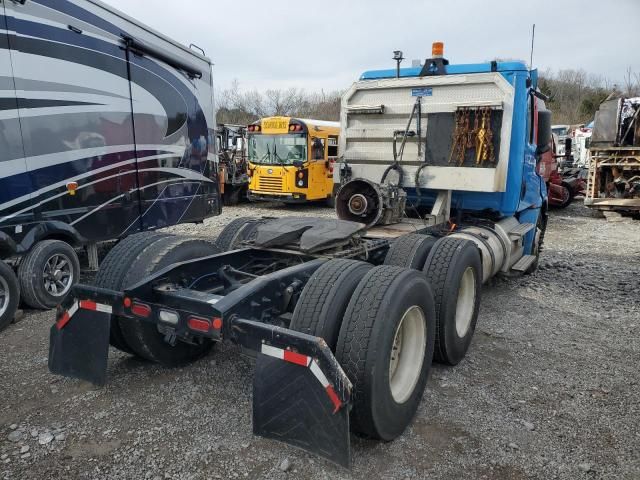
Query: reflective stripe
x,y
315,368
66,316
273,351
95,307
298,359
305,361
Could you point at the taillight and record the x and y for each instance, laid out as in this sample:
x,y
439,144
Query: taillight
x,y
217,323
199,324
140,309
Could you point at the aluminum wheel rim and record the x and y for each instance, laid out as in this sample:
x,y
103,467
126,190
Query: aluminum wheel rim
x,y
466,302
57,275
4,296
407,354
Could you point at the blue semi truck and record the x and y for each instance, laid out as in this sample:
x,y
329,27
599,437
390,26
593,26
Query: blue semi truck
x,y
438,192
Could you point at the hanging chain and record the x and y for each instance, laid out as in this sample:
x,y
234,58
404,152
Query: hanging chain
x,y
466,138
459,147
484,137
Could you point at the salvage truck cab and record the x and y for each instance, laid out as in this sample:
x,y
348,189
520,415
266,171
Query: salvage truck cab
x,y
345,314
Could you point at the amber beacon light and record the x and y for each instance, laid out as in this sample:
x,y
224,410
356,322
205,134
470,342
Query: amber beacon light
x,y
437,50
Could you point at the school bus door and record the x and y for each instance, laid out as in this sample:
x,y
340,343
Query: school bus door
x,y
319,185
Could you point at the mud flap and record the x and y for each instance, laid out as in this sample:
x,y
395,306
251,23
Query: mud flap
x,y
291,405
79,344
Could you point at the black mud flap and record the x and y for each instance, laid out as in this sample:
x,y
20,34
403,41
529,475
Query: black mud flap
x,y
292,406
79,343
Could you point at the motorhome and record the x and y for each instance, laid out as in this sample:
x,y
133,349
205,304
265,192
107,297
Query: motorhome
x,y
105,131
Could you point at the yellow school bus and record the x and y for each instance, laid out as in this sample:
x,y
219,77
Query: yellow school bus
x,y
291,159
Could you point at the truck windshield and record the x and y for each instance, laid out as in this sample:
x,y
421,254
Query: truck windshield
x,y
277,149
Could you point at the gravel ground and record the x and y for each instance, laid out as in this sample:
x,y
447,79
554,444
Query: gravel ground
x,y
549,388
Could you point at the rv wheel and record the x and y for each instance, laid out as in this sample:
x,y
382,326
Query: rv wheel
x,y
47,273
385,347
9,295
325,297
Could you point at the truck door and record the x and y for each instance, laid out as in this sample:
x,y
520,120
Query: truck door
x,y
71,77
172,136
14,182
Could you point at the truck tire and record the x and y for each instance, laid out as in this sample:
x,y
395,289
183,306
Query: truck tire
x,y
237,231
538,241
325,297
385,347
410,251
143,337
454,269
232,196
47,273
9,295
113,270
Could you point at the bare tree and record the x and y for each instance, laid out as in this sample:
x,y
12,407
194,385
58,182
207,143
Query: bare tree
x,y
236,106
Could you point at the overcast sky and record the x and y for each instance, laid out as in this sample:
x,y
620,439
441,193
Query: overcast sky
x,y
327,44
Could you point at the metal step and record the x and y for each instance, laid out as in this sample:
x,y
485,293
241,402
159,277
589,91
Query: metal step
x,y
521,230
524,263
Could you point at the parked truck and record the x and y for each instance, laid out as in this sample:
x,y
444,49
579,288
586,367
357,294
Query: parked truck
x,y
233,168
345,314
613,182
104,132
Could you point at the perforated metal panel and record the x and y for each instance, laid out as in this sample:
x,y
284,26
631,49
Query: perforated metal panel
x,y
366,140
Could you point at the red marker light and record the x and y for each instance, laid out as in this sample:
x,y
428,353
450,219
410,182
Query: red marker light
x,y
141,310
198,324
217,323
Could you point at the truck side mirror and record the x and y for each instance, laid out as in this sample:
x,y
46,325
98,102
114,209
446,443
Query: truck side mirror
x,y
544,131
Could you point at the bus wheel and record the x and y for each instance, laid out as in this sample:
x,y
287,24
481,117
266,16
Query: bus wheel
x,y
9,295
143,337
232,197
330,201
325,297
454,268
385,347
47,273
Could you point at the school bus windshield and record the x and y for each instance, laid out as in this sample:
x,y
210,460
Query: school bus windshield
x,y
277,149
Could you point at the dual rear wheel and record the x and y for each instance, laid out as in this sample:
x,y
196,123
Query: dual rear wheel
x,y
387,324
379,321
